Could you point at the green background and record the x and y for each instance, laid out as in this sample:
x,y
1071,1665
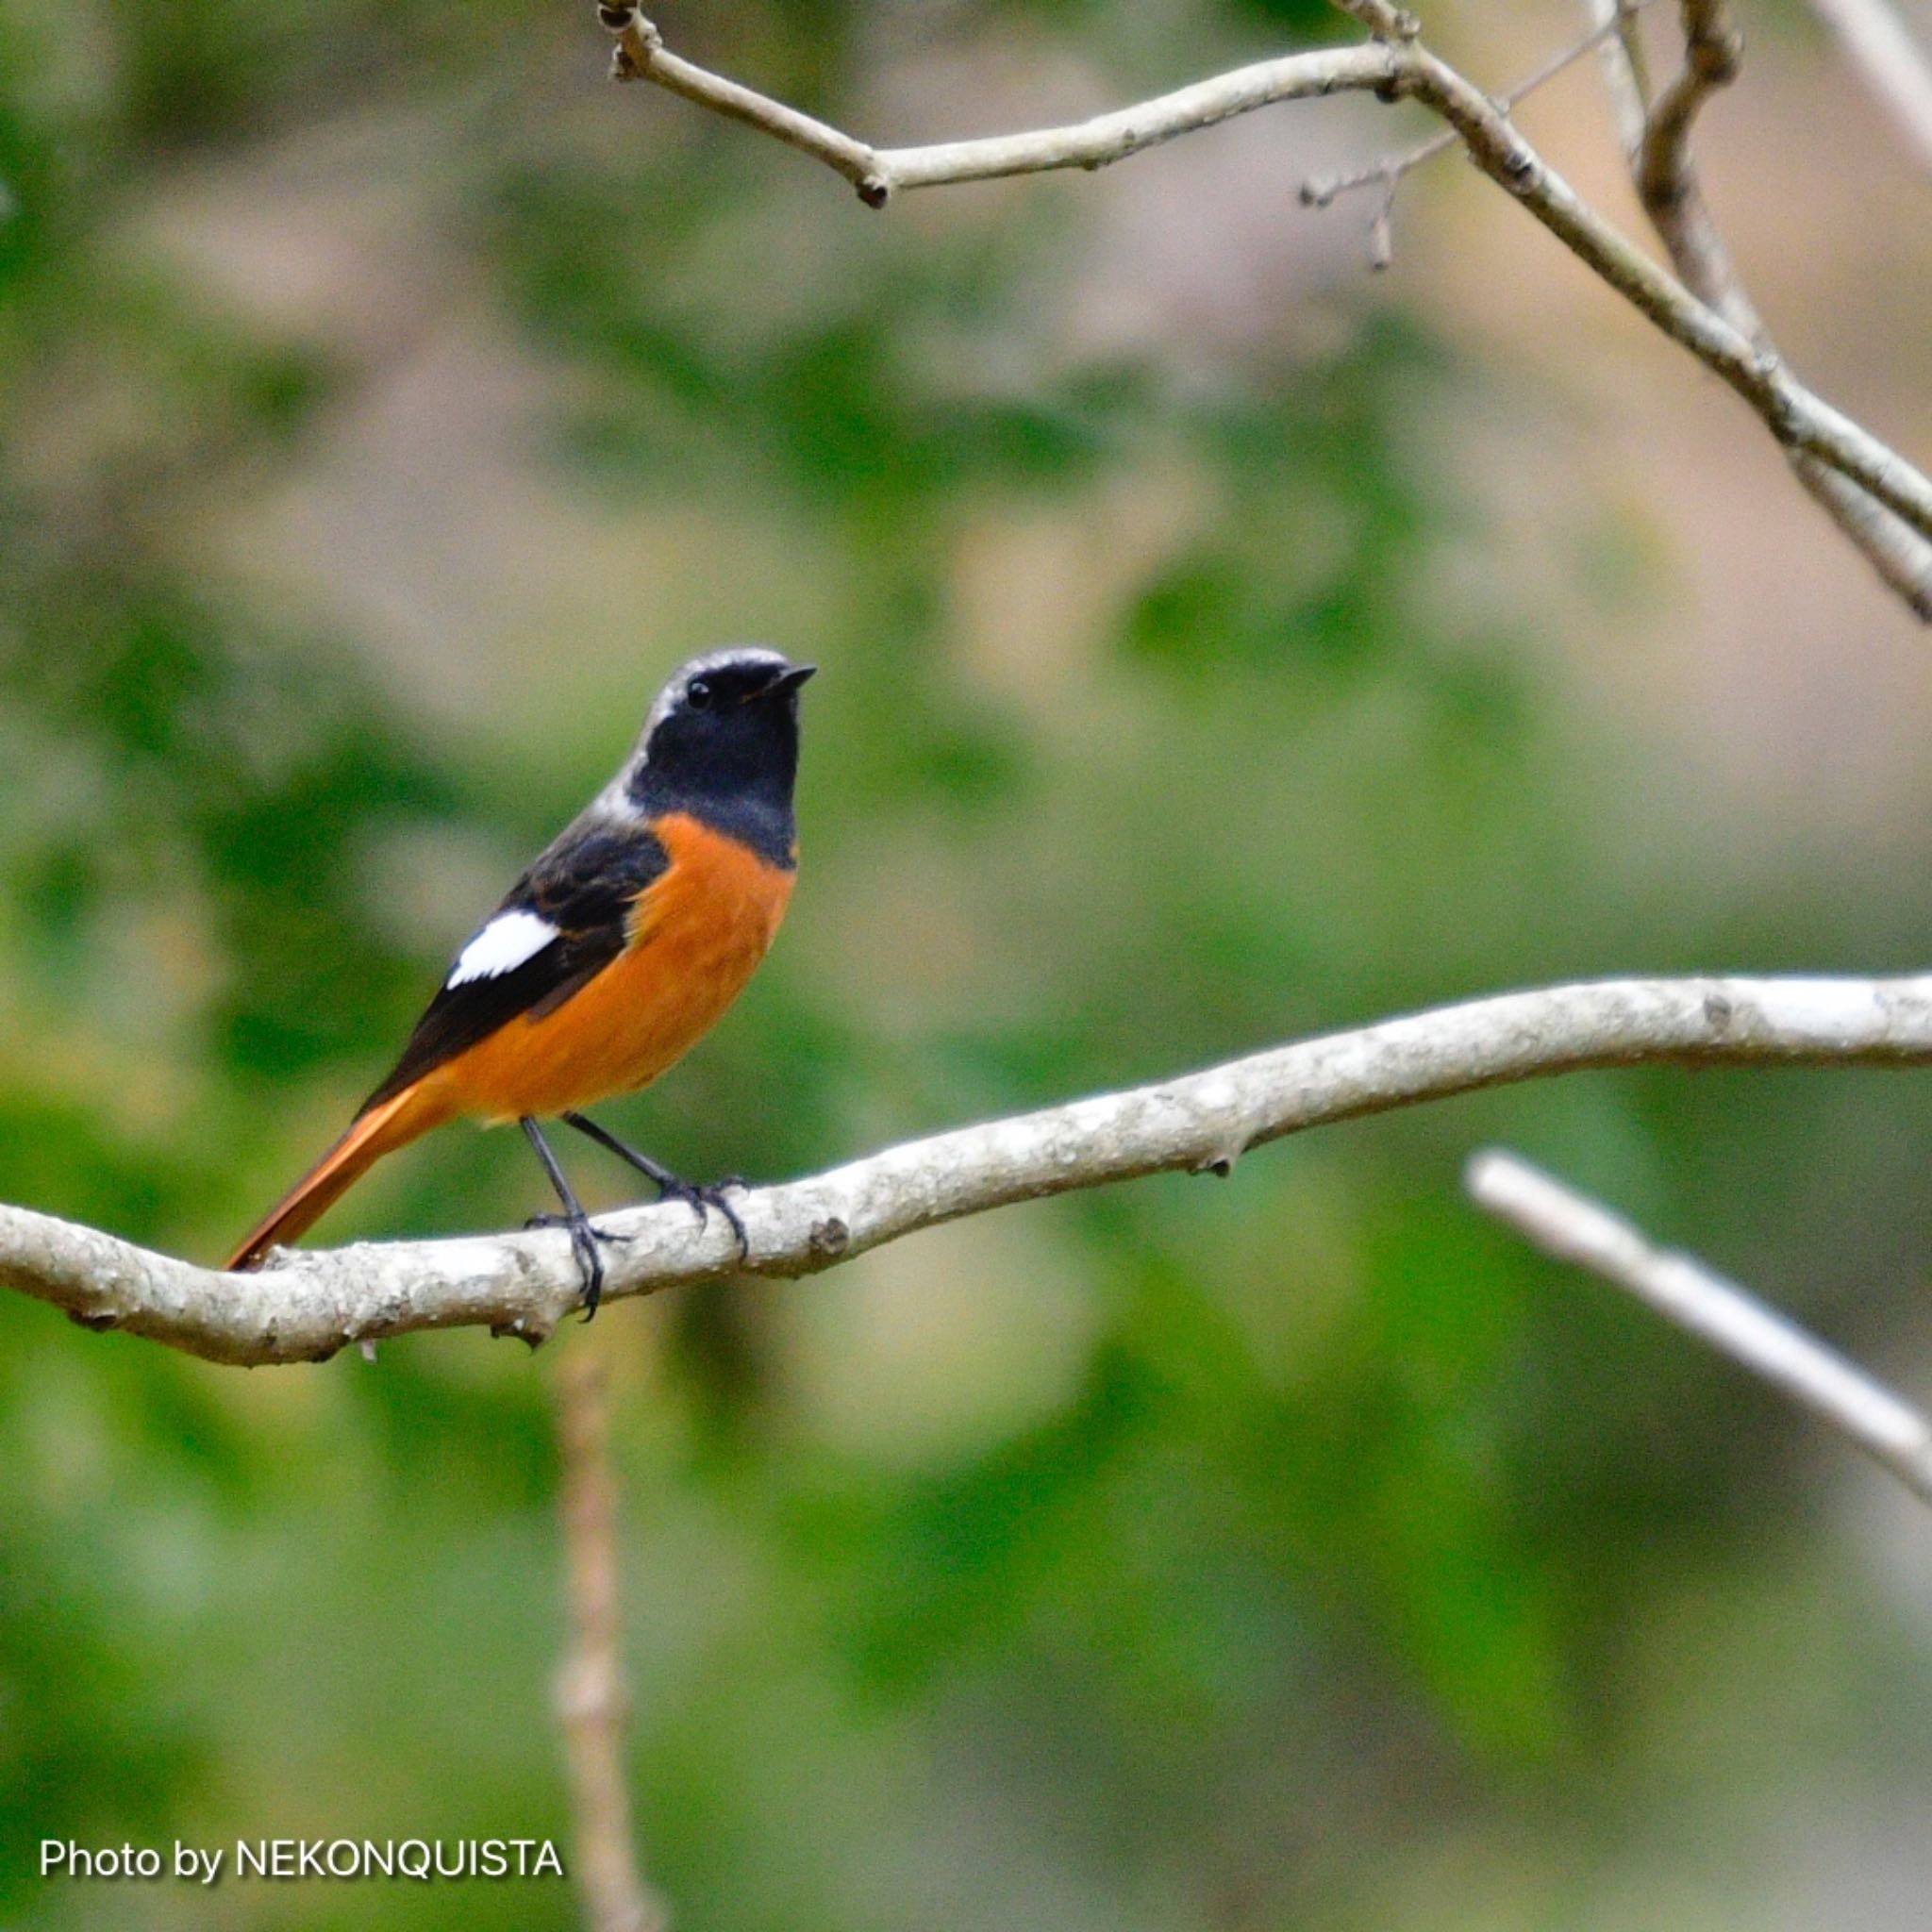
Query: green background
x,y
1291,1551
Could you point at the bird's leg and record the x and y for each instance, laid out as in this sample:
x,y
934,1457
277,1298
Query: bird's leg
x,y
583,1236
670,1188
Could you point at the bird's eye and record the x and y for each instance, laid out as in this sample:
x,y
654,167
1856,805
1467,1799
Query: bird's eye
x,y
697,694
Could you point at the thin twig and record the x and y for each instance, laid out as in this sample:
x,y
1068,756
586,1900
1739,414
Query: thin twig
x,y
1666,176
1395,66
1570,1227
1110,138
642,55
1626,72
1319,191
1895,67
305,1306
593,1703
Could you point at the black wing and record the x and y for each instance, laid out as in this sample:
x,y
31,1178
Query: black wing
x,y
584,885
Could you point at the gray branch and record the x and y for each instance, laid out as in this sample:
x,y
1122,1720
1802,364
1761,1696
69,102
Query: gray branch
x,y
1892,63
1574,1228
1665,174
1823,442
307,1305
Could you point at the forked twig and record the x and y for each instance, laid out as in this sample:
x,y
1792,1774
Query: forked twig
x,y
1320,191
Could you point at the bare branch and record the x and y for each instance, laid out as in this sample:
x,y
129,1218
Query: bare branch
x,y
1665,176
881,172
1894,65
1113,137
306,1305
593,1703
1570,1227
1901,557
1713,54
1798,419
1394,66
642,55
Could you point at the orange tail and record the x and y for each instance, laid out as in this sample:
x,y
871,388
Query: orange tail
x,y
380,1131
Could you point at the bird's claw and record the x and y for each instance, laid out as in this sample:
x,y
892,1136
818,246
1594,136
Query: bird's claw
x,y
584,1237
701,1200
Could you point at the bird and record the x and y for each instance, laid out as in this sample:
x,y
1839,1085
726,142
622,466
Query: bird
x,y
613,955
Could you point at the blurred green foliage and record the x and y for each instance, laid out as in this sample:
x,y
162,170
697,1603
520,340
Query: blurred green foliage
x,y
1287,1551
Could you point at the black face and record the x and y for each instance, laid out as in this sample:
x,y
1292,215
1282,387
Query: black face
x,y
726,749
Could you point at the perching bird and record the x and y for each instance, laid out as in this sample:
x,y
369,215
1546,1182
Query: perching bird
x,y
610,957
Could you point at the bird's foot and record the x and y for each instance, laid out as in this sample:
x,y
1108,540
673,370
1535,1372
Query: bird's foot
x,y
584,1237
701,1200
670,1188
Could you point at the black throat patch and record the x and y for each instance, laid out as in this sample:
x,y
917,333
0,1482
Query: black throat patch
x,y
733,769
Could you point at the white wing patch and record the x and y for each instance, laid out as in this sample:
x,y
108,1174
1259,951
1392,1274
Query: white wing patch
x,y
500,947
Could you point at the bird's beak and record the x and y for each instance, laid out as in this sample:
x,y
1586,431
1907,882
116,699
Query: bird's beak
x,y
787,680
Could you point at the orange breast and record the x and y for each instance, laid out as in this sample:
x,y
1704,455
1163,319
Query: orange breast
x,y
695,936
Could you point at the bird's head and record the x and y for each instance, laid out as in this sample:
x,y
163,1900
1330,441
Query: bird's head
x,y
723,734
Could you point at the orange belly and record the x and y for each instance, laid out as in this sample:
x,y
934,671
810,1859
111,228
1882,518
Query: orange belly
x,y
695,938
